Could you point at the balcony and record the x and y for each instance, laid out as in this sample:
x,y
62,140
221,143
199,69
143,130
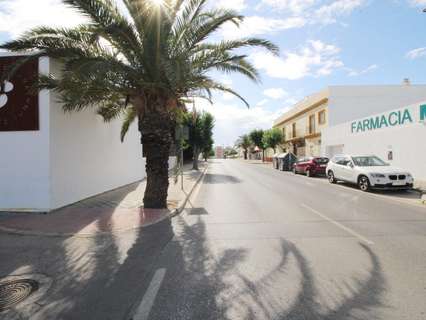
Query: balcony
x,y
312,132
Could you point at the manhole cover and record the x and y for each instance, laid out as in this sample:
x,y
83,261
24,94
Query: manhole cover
x,y
14,291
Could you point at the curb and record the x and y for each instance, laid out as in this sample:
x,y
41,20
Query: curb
x,y
75,235
422,194
172,214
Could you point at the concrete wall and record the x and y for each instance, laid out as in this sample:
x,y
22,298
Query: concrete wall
x,y
72,157
24,161
352,102
405,141
87,156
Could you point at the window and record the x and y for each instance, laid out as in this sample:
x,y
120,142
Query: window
x,y
321,160
321,117
372,161
312,124
293,130
344,161
284,133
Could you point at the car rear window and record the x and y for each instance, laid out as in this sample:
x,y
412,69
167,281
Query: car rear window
x,y
321,160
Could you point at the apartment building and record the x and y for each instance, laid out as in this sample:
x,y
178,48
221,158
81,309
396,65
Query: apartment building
x,y
302,125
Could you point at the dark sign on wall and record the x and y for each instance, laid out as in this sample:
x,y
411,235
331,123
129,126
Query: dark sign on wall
x,y
18,102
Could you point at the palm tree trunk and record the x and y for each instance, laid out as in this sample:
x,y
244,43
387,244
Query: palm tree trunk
x,y
157,139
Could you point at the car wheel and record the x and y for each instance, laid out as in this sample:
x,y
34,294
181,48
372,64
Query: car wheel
x,y
363,183
331,177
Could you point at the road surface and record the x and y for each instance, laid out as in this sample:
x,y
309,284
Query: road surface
x,y
254,243
262,244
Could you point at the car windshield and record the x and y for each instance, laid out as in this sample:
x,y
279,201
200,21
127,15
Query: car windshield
x,y
368,161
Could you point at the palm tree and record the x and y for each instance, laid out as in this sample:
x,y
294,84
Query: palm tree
x,y
244,142
141,64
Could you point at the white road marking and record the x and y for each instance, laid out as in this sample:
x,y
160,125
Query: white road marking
x,y
338,224
144,308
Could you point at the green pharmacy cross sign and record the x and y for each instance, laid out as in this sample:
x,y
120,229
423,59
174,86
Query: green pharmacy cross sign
x,y
391,119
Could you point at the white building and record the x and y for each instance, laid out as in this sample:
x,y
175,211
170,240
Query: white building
x,y
49,159
398,136
343,119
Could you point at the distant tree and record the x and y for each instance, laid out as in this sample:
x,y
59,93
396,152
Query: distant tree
x,y
244,143
200,134
207,132
256,137
230,152
208,149
272,138
211,153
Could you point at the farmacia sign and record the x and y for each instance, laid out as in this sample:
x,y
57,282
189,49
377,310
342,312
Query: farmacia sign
x,y
391,119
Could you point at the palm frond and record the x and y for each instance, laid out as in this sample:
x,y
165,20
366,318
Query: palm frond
x,y
130,115
111,24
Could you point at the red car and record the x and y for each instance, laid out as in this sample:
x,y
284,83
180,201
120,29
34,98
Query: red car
x,y
311,166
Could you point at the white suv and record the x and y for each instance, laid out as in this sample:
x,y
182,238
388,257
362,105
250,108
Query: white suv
x,y
368,172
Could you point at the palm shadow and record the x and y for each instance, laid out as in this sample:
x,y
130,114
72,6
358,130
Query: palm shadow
x,y
201,284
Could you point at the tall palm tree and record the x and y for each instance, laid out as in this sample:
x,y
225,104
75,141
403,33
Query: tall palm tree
x,y
141,64
244,142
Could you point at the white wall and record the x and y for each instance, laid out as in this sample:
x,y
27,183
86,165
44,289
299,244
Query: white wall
x,y
87,156
352,102
73,156
24,161
407,142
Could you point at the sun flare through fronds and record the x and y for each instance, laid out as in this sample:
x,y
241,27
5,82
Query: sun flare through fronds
x,y
158,3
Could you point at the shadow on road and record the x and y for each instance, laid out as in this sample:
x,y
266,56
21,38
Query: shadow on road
x,y
103,277
93,278
201,284
213,178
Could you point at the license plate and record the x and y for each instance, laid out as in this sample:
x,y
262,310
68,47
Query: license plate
x,y
323,165
399,183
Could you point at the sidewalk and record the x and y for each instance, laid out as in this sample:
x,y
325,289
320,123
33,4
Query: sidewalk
x,y
114,211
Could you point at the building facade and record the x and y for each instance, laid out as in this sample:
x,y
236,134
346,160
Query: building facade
x,y
219,152
303,125
393,135
50,159
382,120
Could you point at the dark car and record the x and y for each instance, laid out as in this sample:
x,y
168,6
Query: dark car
x,y
311,166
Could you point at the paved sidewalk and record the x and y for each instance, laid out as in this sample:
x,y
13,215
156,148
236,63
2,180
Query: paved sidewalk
x,y
114,211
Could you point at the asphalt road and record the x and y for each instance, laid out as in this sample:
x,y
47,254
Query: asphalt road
x,y
256,243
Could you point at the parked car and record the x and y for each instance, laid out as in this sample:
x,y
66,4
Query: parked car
x,y
311,166
368,172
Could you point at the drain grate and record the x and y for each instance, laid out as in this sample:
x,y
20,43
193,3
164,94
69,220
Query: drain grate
x,y
14,291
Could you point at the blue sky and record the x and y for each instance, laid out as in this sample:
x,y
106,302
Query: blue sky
x,y
323,42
